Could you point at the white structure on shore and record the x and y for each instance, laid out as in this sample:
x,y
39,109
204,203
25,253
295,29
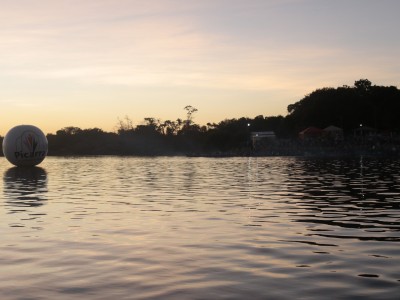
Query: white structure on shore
x,y
261,139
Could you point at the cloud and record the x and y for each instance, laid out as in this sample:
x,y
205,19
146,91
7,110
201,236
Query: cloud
x,y
216,44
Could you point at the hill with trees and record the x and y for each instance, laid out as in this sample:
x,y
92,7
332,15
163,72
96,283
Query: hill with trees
x,y
348,107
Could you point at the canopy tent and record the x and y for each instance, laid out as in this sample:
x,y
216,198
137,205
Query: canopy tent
x,y
333,132
310,132
333,129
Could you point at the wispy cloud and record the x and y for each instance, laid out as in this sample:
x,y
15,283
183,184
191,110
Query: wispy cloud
x,y
145,48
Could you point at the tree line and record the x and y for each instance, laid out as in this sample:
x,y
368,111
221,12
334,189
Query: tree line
x,y
345,107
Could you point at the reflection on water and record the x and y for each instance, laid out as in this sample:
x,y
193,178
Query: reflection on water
x,y
23,190
25,187
362,195
202,228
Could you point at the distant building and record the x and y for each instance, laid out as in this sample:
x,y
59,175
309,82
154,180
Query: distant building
x,y
310,133
364,131
333,133
261,139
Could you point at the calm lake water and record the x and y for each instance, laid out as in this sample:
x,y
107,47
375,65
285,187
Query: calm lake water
x,y
200,228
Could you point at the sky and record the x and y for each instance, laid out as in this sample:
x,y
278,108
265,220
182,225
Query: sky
x,y
88,63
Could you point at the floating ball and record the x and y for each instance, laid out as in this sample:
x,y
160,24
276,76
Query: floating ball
x,y
25,145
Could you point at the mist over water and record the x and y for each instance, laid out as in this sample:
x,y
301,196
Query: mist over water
x,y
200,228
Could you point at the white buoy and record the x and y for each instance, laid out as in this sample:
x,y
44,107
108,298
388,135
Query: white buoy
x,y
25,145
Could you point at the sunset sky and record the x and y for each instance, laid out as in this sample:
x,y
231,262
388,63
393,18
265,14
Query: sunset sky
x,y
86,63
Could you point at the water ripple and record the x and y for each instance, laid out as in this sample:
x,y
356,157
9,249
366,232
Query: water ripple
x,y
201,228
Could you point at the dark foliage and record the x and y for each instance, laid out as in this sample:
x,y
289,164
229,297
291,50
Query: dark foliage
x,y
162,138
348,107
345,107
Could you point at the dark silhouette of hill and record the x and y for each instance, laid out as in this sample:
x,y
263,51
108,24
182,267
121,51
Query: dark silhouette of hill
x,y
348,107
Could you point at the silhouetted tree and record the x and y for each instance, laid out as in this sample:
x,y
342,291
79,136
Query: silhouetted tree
x,y
347,107
71,130
190,110
124,125
363,85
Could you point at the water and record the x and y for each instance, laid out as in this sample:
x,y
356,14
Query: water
x,y
200,228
